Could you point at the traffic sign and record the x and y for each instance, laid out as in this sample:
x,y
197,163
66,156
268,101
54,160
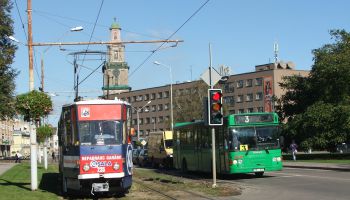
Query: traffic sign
x,y
215,77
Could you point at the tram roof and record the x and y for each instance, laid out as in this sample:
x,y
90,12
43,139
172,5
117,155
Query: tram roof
x,y
97,102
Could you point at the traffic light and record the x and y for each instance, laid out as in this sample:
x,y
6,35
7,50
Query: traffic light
x,y
215,114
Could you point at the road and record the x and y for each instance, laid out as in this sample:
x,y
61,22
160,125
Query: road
x,y
295,184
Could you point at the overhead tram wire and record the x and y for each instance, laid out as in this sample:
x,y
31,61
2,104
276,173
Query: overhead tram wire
x,y
92,33
46,14
149,56
20,17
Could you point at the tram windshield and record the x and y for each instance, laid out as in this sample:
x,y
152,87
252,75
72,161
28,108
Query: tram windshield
x,y
100,132
254,138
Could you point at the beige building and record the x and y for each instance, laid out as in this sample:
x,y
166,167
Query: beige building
x,y
242,93
6,132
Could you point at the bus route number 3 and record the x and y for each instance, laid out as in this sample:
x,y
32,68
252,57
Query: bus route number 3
x,y
101,169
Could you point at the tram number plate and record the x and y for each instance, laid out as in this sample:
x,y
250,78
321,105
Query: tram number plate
x,y
258,170
100,187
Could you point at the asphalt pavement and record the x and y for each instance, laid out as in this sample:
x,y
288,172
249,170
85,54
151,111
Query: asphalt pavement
x,y
4,166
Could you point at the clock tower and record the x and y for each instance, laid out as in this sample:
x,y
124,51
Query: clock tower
x,y
115,71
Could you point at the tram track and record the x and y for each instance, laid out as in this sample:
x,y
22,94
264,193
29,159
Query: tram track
x,y
192,195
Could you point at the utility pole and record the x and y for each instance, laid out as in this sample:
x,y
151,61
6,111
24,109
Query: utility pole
x,y
33,149
212,128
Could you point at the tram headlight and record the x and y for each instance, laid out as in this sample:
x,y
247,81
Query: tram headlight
x,y
86,167
116,166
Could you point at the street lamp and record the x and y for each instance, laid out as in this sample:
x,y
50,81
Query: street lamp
x,y
171,92
137,115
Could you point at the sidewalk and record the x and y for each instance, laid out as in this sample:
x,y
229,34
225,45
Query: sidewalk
x,y
310,165
4,166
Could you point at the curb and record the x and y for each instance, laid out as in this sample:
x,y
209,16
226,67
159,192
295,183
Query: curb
x,y
319,167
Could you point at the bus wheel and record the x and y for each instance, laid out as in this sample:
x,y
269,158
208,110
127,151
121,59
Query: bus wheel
x,y
184,166
259,174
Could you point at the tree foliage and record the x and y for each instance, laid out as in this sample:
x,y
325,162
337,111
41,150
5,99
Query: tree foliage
x,y
33,105
188,104
7,52
317,107
43,132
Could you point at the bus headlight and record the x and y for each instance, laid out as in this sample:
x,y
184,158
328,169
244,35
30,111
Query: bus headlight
x,y
240,161
276,159
116,166
235,162
86,167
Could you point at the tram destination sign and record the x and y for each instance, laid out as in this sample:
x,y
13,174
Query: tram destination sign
x,y
251,119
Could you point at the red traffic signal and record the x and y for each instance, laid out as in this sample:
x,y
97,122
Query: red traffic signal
x,y
215,113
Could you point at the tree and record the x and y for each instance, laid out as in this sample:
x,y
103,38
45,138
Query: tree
x,y
34,105
317,107
43,132
188,104
7,52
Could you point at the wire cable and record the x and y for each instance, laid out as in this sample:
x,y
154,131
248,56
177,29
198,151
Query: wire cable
x,y
149,56
92,33
20,17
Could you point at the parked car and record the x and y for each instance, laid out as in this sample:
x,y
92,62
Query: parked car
x,y
143,158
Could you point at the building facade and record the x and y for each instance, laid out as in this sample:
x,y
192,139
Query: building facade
x,y
242,93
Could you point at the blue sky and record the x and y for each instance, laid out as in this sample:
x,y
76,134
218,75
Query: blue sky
x,y
241,33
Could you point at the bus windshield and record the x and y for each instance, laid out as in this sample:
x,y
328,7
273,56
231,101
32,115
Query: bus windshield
x,y
100,132
254,138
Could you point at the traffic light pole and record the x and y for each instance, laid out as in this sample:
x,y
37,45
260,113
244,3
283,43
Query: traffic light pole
x,y
212,128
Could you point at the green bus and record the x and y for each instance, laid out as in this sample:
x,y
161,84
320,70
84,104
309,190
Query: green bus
x,y
245,143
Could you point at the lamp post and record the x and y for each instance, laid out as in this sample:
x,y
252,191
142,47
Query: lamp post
x,y
138,117
171,92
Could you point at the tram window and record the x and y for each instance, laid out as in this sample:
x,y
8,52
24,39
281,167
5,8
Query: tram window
x,y
100,132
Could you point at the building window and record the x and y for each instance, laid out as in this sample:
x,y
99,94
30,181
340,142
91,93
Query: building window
x,y
229,100
146,97
229,87
167,118
240,111
258,96
249,97
239,98
148,120
166,106
160,107
154,108
249,83
159,95
260,109
141,121
166,94
133,99
240,84
146,109
128,99
232,111
153,96
139,98
160,119
134,111
258,81
153,120
250,110
134,121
